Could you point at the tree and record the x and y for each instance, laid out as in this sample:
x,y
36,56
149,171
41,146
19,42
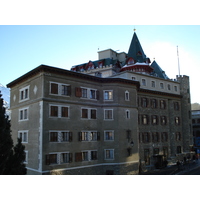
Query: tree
x,y
11,160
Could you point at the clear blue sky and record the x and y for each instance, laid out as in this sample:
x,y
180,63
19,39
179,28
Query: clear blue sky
x,y
23,48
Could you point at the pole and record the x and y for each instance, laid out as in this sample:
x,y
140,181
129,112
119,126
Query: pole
x,y
178,62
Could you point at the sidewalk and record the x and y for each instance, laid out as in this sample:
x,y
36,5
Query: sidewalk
x,y
173,169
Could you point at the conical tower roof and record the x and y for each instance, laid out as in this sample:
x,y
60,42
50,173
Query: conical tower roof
x,y
158,71
135,50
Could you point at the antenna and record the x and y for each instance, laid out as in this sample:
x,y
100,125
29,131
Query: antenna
x,y
178,62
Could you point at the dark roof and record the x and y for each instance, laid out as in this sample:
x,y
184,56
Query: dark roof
x,y
135,50
158,72
48,69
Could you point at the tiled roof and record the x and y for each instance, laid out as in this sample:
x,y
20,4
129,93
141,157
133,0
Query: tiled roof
x,y
158,71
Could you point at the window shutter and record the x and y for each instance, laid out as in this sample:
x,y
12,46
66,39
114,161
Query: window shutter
x,y
78,92
97,94
79,136
98,136
70,157
78,156
70,136
48,159
69,90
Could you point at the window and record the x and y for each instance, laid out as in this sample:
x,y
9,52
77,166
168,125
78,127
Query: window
x,y
86,156
58,158
153,103
108,95
93,155
178,149
109,154
163,120
65,158
177,120
144,102
92,94
176,106
24,94
89,136
108,135
143,82
154,119
51,159
88,113
127,96
108,114
155,137
133,78
23,114
23,135
60,89
84,93
54,111
146,156
87,93
127,114
59,111
145,119
26,157
169,87
64,111
144,137
60,136
153,84
178,136
175,88
162,85
164,137
162,104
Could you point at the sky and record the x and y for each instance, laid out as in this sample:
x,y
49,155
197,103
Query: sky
x,y
25,47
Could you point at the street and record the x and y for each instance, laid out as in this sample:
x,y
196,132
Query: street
x,y
193,171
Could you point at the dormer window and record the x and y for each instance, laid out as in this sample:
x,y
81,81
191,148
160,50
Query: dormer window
x,y
130,61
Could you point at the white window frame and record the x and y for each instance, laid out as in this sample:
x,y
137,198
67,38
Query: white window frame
x,y
108,97
59,111
153,84
110,131
59,89
26,157
23,111
162,86
88,93
59,158
24,92
23,131
144,83
89,137
59,132
105,158
127,95
89,113
105,114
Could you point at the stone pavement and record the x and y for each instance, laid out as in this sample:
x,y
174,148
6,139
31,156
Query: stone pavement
x,y
173,169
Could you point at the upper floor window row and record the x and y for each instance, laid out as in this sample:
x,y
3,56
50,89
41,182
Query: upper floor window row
x,y
24,94
153,103
60,89
161,84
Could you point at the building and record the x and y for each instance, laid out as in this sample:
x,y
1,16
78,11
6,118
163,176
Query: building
x,y
196,129
110,116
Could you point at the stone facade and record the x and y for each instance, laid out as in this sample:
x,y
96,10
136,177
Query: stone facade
x,y
101,111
